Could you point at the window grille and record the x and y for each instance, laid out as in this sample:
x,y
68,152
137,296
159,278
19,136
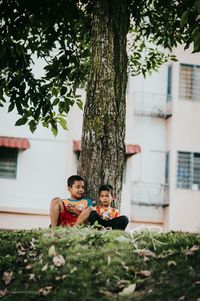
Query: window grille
x,y
146,193
151,104
190,82
188,171
196,174
8,162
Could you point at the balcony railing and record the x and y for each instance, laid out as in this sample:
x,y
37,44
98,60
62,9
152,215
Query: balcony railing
x,y
152,104
149,194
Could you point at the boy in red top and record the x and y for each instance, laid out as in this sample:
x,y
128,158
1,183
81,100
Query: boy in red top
x,y
73,211
106,215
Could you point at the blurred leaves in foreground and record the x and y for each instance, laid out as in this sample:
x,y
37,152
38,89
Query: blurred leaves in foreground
x,y
92,264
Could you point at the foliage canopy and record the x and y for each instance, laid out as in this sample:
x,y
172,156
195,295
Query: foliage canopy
x,y
60,33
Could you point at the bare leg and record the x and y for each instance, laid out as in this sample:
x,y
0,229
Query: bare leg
x,y
83,216
55,209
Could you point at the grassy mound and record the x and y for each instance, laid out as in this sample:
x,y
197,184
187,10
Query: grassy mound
x,y
90,264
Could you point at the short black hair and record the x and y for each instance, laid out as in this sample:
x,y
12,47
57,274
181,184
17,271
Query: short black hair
x,y
106,187
74,178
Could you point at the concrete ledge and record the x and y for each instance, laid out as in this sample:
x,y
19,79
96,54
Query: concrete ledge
x,y
23,218
27,211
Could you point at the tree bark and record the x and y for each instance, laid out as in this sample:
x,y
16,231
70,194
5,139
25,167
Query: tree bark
x,y
103,147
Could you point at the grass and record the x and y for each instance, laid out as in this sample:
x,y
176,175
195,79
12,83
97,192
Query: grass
x,y
89,264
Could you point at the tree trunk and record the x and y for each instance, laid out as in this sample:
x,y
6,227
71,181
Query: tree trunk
x,y
103,147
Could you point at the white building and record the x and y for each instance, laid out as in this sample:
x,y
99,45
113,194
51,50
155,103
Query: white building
x,y
33,170
163,118
161,183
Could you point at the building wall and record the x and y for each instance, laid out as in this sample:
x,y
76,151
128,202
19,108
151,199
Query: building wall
x,y
183,135
157,136
23,219
147,169
42,169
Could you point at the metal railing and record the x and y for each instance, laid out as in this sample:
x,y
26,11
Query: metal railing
x,y
145,193
152,104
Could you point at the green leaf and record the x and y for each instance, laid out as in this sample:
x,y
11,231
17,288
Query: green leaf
x,y
11,107
55,102
197,5
80,104
184,18
173,58
21,121
45,124
3,99
54,131
197,43
195,32
54,91
37,113
63,90
61,107
32,125
62,122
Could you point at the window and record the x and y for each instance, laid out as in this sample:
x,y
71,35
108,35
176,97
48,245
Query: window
x,y
190,82
188,172
8,162
169,83
167,168
196,171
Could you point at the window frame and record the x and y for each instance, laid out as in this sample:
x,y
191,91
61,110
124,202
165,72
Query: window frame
x,y
194,84
8,155
169,83
191,172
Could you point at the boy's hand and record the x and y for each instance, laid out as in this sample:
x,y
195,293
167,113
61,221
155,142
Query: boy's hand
x,y
73,209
